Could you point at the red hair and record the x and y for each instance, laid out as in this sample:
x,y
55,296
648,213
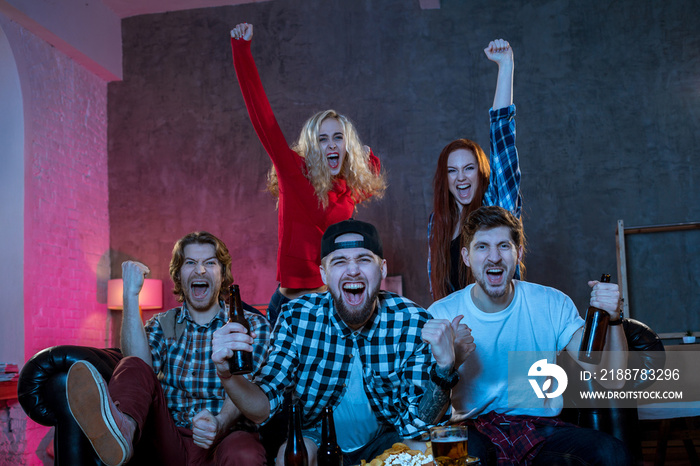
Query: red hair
x,y
446,217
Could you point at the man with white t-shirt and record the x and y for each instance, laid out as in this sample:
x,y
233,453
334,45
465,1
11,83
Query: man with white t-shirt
x,y
506,316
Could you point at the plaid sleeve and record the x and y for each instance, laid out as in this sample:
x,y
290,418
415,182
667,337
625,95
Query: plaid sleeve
x,y
400,364
276,372
261,327
157,343
414,375
504,183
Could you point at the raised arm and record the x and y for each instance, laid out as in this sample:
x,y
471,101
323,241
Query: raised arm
x,y
133,336
499,52
256,101
504,183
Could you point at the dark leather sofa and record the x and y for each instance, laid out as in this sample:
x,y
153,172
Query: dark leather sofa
x,y
42,395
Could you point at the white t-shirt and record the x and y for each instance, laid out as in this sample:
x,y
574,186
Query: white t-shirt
x,y
539,319
355,422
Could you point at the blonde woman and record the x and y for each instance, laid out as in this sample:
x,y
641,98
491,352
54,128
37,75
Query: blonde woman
x,y
318,181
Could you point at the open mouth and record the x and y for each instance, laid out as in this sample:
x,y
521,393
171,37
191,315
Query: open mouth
x,y
495,275
354,293
464,190
333,160
199,289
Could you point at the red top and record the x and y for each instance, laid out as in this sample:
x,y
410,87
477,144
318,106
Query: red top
x,y
301,217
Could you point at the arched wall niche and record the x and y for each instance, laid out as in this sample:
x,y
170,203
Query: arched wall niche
x,y
11,207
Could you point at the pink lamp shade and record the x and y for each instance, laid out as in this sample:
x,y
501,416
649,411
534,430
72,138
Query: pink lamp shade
x,y
150,297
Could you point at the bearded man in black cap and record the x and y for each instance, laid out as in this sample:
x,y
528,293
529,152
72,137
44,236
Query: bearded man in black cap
x,y
371,355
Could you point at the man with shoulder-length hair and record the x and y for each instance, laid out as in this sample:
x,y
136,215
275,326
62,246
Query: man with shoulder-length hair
x,y
508,317
165,397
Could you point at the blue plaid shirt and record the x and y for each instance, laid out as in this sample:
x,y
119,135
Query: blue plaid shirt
x,y
504,182
311,351
188,378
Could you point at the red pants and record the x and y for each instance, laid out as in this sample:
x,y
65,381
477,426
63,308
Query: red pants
x,y
138,393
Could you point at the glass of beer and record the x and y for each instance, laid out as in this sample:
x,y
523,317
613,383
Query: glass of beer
x,y
449,445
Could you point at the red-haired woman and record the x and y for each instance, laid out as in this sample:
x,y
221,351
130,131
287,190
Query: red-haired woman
x,y
318,181
465,180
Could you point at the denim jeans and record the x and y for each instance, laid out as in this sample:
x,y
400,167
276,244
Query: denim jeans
x,y
563,446
385,438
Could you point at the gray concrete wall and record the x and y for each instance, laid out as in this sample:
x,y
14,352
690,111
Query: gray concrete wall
x,y
607,97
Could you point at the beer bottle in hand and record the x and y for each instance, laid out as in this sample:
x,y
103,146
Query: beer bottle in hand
x,y
594,332
242,361
330,453
295,452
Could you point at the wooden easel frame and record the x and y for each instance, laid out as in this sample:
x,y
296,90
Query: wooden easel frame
x,y
622,260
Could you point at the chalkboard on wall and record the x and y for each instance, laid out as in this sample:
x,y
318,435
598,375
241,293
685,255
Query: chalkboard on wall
x,y
662,275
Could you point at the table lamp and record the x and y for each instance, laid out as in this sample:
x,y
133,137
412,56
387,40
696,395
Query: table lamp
x,y
150,297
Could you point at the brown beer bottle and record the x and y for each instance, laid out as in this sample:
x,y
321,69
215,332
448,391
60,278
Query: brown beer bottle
x,y
330,453
295,452
242,361
594,332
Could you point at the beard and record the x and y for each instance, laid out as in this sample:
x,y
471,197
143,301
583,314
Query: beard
x,y
495,291
492,292
355,317
199,305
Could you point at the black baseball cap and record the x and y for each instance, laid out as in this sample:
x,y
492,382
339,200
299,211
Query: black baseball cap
x,y
370,237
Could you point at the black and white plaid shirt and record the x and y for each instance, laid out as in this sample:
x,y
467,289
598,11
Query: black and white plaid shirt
x,y
189,379
311,350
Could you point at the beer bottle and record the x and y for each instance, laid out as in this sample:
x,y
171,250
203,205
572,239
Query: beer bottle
x,y
242,361
330,453
594,332
295,452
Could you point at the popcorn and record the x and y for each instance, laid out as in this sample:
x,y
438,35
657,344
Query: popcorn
x,y
400,455
407,459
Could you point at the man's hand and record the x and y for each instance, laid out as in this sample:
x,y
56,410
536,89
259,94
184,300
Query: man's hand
x,y
447,338
499,51
229,338
205,429
606,296
133,339
464,342
133,274
243,31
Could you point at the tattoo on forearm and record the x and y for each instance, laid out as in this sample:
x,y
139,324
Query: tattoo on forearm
x,y
434,403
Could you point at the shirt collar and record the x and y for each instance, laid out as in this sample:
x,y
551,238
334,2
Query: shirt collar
x,y
185,315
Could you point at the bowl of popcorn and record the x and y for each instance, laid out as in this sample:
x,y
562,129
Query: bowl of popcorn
x,y
401,455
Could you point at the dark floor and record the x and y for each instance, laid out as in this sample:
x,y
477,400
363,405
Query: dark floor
x,y
679,431
676,454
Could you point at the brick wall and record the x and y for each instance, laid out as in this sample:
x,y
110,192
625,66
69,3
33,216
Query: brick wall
x,y
66,215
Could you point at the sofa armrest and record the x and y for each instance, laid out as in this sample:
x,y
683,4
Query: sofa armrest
x,y
41,391
42,381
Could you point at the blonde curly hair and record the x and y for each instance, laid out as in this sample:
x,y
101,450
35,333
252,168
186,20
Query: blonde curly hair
x,y
356,170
